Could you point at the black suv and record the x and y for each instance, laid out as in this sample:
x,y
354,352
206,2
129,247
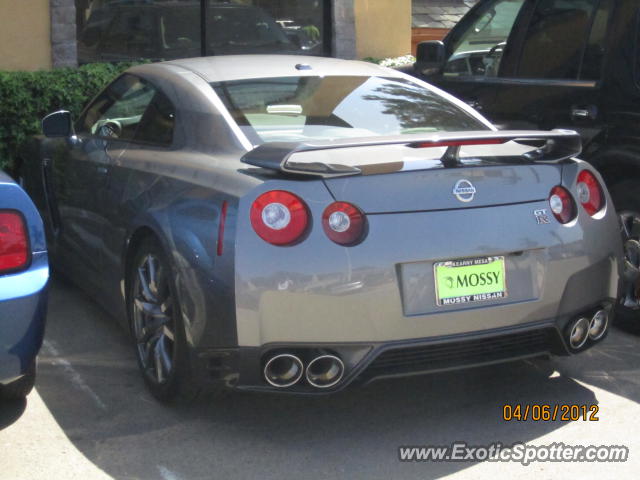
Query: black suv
x,y
547,64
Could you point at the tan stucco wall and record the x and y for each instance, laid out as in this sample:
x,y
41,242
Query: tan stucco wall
x,y
383,28
25,38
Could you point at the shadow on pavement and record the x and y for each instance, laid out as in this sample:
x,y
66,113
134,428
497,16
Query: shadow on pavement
x,y
11,411
90,383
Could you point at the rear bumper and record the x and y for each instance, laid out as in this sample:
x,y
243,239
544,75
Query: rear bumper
x,y
23,309
383,290
375,304
242,368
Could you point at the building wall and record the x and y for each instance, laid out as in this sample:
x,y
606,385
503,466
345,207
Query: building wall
x,y
25,35
383,28
343,42
40,34
442,14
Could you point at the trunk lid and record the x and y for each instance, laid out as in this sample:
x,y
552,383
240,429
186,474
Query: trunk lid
x,y
432,171
413,180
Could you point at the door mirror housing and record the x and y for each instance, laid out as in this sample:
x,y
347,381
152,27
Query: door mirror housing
x,y
430,57
57,124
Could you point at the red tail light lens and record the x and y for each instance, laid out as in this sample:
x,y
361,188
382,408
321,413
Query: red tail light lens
x,y
590,194
14,242
562,204
279,217
460,143
343,223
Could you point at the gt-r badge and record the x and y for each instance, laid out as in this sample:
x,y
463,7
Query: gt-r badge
x,y
541,216
464,190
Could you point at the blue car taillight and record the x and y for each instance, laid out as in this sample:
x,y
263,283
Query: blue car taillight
x,y
14,242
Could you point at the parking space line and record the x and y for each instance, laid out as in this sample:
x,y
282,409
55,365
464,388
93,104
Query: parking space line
x,y
73,374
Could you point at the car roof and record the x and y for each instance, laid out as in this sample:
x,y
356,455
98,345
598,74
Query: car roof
x,y
223,68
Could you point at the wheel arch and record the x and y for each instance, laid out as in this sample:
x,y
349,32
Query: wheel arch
x,y
137,237
616,162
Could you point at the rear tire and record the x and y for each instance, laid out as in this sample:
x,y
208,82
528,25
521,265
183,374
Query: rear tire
x,y
157,329
19,389
626,199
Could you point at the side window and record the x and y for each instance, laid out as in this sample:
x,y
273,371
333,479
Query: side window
x,y
556,38
117,111
157,123
592,62
478,51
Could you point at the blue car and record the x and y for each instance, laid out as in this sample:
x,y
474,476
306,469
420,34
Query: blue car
x,y
24,275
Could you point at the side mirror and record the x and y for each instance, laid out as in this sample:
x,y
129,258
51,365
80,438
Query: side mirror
x,y
57,124
430,57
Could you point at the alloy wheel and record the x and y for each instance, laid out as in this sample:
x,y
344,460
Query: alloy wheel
x,y
630,230
153,323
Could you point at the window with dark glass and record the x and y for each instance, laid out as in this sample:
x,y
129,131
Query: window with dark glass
x,y
131,34
163,30
303,22
118,111
556,38
157,124
593,59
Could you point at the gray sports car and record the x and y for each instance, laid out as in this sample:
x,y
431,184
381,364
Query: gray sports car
x,y
282,223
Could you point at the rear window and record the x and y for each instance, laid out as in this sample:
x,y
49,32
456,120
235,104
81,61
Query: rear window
x,y
334,107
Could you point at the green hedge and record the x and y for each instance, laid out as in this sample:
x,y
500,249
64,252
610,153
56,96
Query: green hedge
x,y
26,97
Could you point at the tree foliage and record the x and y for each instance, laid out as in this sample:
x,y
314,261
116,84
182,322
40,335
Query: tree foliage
x,y
26,97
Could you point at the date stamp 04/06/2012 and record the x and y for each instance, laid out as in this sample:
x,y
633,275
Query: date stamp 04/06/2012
x,y
550,412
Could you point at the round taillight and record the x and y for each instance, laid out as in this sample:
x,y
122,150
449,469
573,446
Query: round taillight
x,y
562,205
279,217
590,194
343,223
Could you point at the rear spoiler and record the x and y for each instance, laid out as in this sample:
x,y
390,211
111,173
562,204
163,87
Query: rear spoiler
x,y
559,145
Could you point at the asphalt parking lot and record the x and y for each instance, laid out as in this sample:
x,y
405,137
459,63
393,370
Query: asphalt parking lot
x,y
91,418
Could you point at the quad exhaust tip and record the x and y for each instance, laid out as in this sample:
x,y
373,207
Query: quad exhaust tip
x,y
283,370
598,325
325,371
579,332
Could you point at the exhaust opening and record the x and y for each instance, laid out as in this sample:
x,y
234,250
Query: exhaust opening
x,y
598,325
578,333
283,370
325,371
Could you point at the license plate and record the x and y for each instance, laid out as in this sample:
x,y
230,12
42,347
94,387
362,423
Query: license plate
x,y
470,281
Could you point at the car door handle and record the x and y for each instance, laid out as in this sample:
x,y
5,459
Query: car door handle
x,y
589,112
102,170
